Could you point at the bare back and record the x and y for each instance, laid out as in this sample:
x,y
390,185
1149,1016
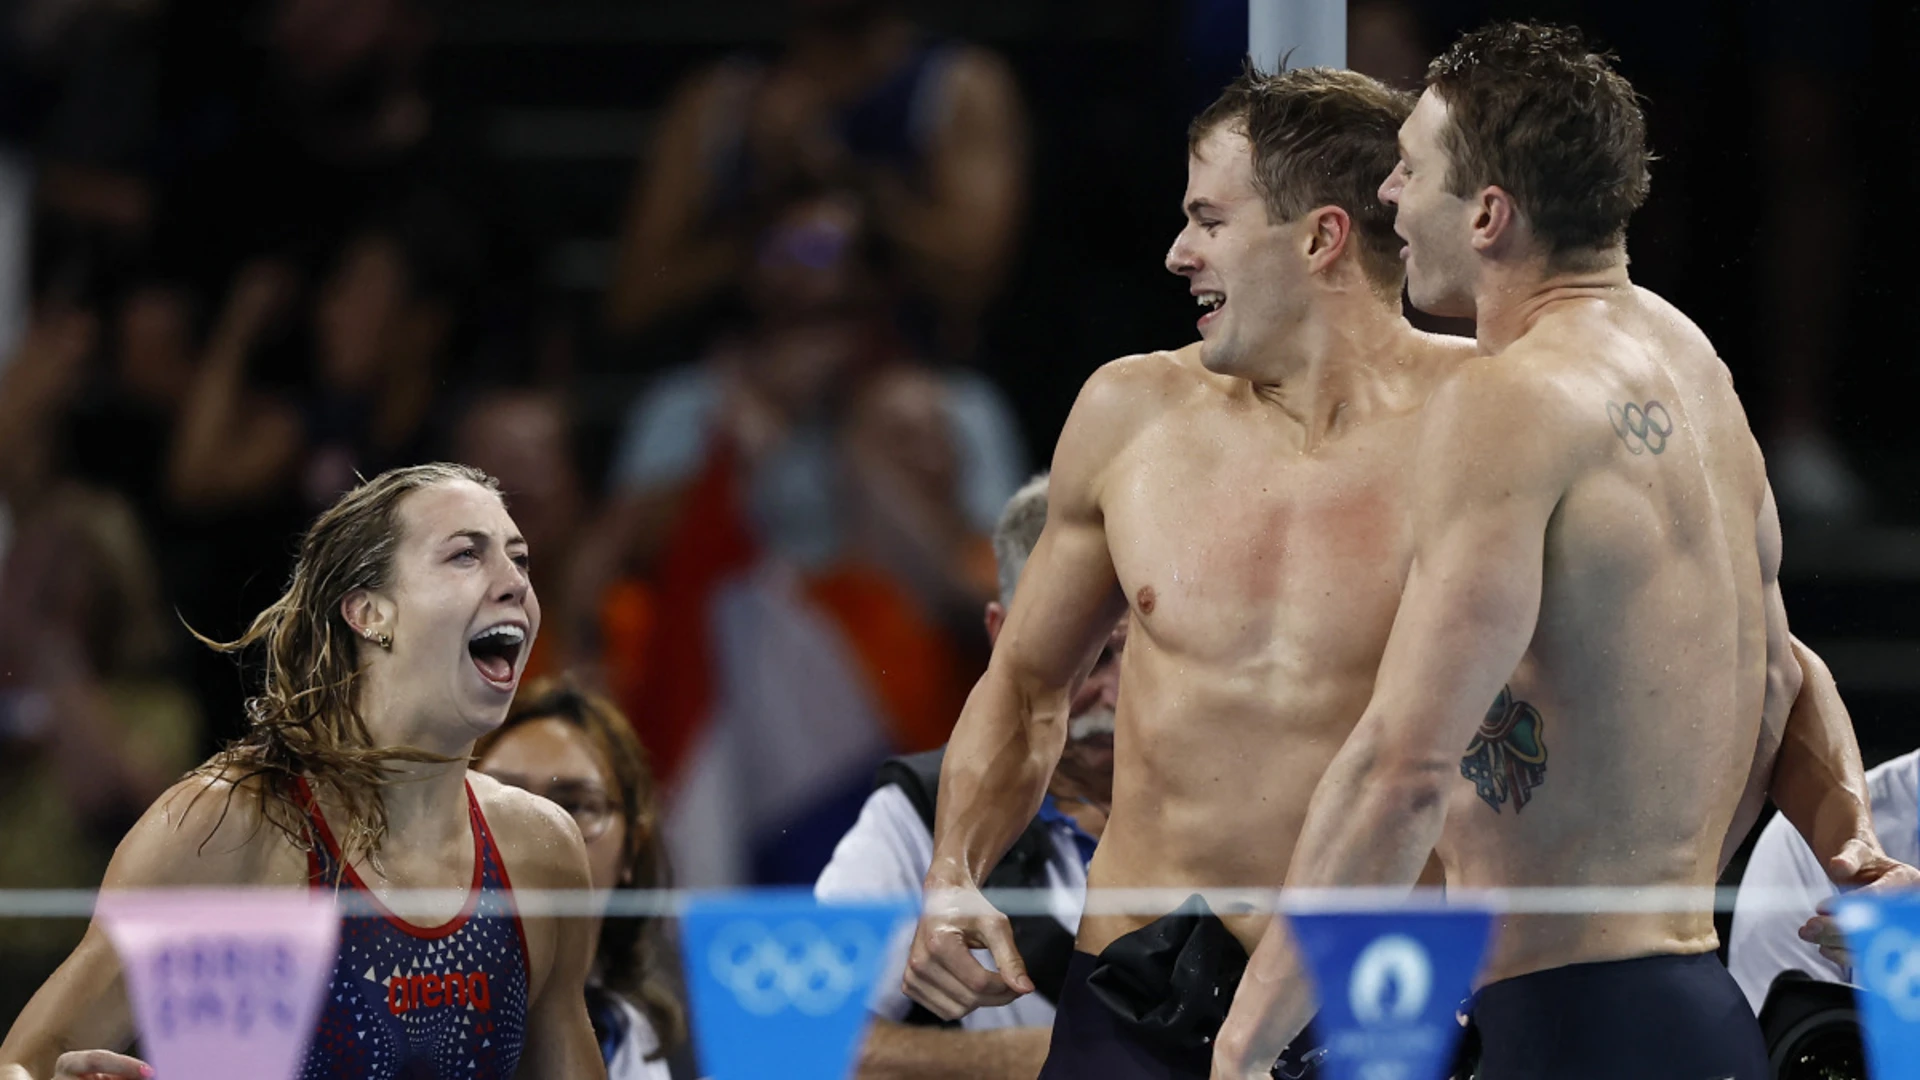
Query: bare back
x,y
1262,580
1621,748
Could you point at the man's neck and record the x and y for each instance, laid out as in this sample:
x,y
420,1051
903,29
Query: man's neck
x,y
1510,299
1341,365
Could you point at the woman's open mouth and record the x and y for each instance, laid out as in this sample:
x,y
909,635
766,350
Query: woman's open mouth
x,y
496,652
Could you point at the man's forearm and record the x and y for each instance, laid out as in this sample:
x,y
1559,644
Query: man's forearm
x,y
1818,782
1002,753
901,1052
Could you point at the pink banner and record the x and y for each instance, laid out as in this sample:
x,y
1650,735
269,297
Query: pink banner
x,y
226,985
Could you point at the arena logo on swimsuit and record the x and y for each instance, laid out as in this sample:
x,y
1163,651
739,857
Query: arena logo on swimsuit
x,y
406,993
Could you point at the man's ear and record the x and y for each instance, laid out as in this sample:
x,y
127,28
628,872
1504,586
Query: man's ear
x,y
1496,220
1332,228
996,618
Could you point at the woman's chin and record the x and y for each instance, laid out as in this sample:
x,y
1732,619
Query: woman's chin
x,y
480,719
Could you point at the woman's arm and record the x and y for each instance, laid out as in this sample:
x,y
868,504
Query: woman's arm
x,y
79,1020
543,844
84,1004
560,1042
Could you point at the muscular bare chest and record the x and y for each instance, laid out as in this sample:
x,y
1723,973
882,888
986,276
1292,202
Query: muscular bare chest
x,y
1237,549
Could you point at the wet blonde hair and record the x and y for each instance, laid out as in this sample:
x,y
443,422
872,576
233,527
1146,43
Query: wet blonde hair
x,y
305,721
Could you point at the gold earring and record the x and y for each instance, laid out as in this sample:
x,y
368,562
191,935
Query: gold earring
x,y
385,641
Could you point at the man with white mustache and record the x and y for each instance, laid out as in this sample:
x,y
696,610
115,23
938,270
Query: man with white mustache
x,y
890,848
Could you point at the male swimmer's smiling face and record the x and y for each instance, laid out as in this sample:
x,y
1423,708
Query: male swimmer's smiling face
x,y
1436,224
1238,263
463,611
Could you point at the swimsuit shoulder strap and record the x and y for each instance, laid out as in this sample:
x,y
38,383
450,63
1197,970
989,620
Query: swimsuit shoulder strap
x,y
325,865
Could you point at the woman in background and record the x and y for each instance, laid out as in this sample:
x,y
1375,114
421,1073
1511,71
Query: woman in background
x,y
577,750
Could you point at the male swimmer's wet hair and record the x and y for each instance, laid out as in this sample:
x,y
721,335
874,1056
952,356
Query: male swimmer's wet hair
x,y
306,721
1017,532
1537,111
636,957
1320,137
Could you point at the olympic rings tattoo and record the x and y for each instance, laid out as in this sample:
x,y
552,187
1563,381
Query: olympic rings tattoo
x,y
1643,429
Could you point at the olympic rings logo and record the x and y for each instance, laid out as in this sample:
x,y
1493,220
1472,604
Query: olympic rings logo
x,y
800,965
1643,428
1892,970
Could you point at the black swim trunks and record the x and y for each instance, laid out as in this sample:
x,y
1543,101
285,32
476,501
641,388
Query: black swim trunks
x,y
1651,1018
1150,1005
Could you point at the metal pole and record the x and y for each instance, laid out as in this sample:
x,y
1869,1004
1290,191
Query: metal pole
x,y
1314,31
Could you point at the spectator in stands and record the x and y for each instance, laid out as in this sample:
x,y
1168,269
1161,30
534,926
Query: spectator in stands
x,y
94,398
575,748
910,576
38,387
94,723
1765,942
930,131
378,327
902,476
119,431
768,402
731,479
888,851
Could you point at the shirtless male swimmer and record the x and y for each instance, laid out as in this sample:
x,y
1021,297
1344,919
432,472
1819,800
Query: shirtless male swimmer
x,y
1244,496
1596,553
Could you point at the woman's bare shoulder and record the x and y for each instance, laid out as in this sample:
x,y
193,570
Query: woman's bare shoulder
x,y
539,841
210,828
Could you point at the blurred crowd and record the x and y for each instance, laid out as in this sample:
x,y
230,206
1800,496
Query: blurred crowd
x,y
245,259
242,263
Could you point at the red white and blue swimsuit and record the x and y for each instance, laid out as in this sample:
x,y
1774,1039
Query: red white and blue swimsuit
x,y
407,1002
